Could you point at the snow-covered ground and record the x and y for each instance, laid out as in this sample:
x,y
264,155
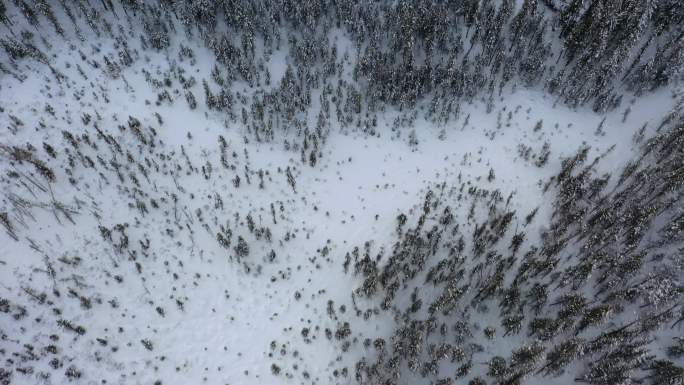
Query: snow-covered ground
x,y
128,266
236,321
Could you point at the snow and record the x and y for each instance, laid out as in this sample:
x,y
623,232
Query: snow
x,y
353,195
232,312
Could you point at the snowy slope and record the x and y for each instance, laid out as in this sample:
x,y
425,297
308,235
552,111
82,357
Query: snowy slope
x,y
118,275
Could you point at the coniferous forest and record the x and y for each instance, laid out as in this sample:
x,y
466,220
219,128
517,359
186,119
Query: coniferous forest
x,y
477,192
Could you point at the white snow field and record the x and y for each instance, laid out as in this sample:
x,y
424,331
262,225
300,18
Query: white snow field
x,y
172,247
231,314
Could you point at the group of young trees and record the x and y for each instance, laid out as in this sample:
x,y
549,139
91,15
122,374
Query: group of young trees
x,y
400,53
589,299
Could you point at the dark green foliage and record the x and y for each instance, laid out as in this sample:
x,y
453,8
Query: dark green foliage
x,y
664,372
